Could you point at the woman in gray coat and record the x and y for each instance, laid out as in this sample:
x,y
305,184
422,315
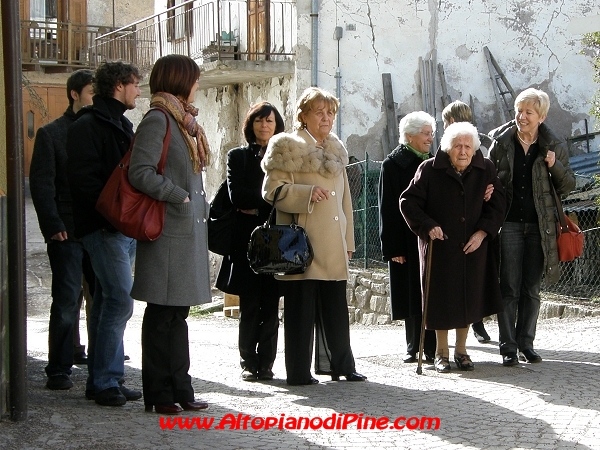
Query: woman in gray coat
x,y
171,273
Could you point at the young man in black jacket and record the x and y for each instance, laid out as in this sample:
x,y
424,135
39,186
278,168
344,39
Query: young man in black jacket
x,y
96,143
52,201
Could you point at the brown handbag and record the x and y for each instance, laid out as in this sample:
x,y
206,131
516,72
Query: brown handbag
x,y
129,210
569,238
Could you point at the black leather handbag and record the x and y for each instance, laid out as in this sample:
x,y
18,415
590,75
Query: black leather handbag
x,y
279,249
221,222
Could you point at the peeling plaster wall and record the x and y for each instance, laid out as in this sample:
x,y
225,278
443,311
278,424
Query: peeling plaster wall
x,y
222,112
528,39
122,12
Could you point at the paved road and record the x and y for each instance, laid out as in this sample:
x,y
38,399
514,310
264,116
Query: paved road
x,y
550,405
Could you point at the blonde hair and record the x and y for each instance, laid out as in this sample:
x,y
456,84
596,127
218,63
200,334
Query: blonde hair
x,y
308,98
535,97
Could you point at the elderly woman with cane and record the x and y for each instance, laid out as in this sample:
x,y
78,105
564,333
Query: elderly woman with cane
x,y
444,206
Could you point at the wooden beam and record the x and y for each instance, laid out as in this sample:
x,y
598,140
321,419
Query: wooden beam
x,y
390,112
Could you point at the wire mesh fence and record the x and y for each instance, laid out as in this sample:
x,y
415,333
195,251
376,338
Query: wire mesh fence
x,y
578,279
363,178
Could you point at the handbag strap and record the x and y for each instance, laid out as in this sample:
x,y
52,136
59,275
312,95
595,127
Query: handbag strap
x,y
559,209
160,168
277,191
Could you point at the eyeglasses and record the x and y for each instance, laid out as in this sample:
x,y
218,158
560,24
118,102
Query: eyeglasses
x,y
430,134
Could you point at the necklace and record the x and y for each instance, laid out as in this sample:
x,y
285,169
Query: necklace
x,y
524,142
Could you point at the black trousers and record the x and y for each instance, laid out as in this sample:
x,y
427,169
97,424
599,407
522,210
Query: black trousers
x,y
259,327
165,355
413,337
310,303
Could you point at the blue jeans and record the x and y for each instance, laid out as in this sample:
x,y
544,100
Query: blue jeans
x,y
521,270
112,256
66,258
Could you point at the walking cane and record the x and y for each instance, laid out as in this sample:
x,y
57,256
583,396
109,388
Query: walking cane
x,y
425,301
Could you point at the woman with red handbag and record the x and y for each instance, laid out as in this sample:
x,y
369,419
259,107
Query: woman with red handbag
x,y
528,157
171,272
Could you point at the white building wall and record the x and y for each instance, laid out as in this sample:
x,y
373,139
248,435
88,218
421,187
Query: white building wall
x,y
527,38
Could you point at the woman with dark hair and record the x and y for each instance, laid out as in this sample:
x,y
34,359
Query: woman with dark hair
x,y
259,294
172,272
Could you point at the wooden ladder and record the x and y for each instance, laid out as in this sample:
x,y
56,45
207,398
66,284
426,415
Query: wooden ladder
x,y
505,95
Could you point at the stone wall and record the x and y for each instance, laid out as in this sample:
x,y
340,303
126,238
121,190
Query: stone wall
x,y
368,296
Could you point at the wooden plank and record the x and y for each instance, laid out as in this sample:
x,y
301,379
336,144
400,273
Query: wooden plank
x,y
390,113
446,100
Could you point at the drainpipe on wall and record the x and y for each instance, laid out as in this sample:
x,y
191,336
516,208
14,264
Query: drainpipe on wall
x,y
17,309
314,15
337,35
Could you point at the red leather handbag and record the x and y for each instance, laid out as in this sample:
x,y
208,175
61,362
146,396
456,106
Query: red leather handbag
x,y
129,210
569,238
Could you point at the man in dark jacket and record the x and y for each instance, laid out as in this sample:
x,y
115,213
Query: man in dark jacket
x,y
52,201
96,143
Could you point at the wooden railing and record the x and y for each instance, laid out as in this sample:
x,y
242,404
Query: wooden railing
x,y
213,30
58,43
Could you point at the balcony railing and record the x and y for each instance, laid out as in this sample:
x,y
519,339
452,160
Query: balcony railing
x,y
58,43
210,31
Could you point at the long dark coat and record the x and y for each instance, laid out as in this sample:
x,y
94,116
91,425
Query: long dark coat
x,y
244,182
462,288
397,171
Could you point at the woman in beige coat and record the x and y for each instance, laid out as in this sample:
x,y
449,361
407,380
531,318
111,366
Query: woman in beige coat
x,y
310,164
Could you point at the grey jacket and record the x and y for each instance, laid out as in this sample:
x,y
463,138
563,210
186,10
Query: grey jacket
x,y
174,269
502,154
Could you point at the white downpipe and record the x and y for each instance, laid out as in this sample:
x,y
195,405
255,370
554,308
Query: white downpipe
x,y
314,15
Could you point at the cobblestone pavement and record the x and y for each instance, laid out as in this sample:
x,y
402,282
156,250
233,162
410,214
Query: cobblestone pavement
x,y
554,404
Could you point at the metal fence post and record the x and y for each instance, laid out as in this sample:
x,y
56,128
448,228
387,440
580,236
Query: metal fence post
x,y
365,187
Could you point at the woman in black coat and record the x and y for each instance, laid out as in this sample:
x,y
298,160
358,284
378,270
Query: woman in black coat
x,y
444,206
259,294
398,243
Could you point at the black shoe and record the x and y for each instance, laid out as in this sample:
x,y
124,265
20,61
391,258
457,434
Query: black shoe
x,y
480,333
249,375
265,374
463,362
60,382
409,358
80,358
510,359
126,358
110,397
530,356
354,376
130,394
90,395
429,357
311,381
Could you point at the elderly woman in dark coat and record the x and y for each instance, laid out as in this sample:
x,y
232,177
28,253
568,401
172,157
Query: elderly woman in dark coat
x,y
527,150
444,206
398,243
172,272
259,294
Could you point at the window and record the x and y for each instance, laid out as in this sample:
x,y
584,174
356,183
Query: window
x,y
180,23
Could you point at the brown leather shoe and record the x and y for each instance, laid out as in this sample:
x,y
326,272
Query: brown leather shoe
x,y
196,405
164,409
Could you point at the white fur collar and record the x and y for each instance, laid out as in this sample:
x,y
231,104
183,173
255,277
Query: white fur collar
x,y
296,152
